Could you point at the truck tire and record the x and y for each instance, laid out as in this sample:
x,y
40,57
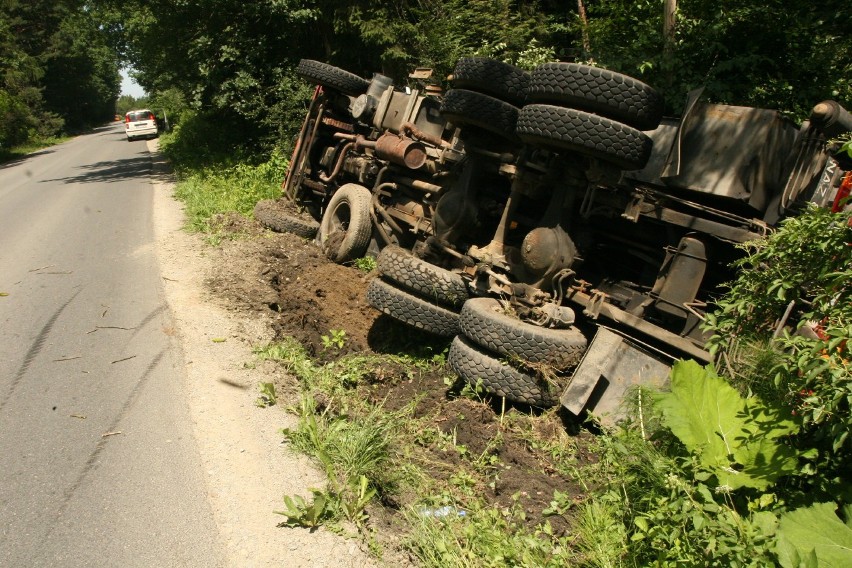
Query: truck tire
x,y
492,77
272,215
597,90
332,77
477,367
411,309
578,131
346,227
421,277
486,323
469,108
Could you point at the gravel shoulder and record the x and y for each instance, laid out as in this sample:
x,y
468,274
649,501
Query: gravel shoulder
x,y
247,468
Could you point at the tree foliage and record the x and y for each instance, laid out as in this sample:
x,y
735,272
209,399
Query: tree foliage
x,y
236,59
57,69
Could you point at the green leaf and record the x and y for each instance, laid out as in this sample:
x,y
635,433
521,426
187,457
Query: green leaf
x,y
815,531
733,438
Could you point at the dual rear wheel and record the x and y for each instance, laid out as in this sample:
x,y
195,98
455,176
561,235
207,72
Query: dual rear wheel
x,y
512,358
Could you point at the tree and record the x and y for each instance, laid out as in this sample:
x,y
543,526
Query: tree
x,y
56,69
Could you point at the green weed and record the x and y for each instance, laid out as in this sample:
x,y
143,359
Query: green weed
x,y
481,536
267,397
365,264
336,339
212,189
355,455
308,514
291,355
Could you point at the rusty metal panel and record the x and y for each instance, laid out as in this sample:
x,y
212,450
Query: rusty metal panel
x,y
734,152
392,111
611,367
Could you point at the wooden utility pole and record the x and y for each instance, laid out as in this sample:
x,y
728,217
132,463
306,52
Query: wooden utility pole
x,y
670,8
587,46
669,25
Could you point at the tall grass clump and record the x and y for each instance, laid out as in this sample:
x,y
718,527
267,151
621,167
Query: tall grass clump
x,y
211,191
484,536
215,174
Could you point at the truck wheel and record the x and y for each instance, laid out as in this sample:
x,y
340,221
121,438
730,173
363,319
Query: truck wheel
x,y
569,129
272,215
597,90
421,277
411,309
492,77
485,322
468,108
496,377
333,77
345,230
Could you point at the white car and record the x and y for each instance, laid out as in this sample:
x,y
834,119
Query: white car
x,y
140,124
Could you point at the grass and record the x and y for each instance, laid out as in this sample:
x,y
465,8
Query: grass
x,y
372,455
208,190
485,536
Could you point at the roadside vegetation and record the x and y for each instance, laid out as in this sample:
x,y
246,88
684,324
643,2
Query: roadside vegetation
x,y
747,466
741,464
59,73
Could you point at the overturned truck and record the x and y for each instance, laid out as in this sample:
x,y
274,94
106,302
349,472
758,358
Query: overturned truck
x,y
567,235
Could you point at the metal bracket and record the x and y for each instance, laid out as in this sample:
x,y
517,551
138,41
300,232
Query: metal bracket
x,y
593,310
634,208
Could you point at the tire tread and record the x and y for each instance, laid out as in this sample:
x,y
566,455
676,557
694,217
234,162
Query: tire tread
x,y
478,367
331,76
412,309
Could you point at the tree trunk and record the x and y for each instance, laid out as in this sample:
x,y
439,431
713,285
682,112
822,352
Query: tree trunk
x,y
581,10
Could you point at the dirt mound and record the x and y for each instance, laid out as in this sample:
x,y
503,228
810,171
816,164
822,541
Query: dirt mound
x,y
309,298
289,277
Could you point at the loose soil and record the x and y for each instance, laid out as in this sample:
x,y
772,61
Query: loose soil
x,y
256,287
289,279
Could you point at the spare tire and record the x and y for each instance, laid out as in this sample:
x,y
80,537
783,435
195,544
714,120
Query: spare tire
x,y
492,77
421,277
332,77
563,128
412,309
597,90
346,227
479,368
485,322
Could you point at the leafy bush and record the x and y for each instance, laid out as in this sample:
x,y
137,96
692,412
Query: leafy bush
x,y
805,267
735,440
730,479
690,500
204,139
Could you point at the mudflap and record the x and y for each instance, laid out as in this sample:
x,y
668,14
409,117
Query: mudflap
x,y
612,367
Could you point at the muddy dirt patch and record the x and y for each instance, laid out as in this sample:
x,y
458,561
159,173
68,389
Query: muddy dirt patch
x,y
315,301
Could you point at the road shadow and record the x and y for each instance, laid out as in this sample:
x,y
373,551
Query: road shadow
x,y
14,161
111,171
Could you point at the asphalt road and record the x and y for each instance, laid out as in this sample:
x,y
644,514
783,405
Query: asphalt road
x,y
98,463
